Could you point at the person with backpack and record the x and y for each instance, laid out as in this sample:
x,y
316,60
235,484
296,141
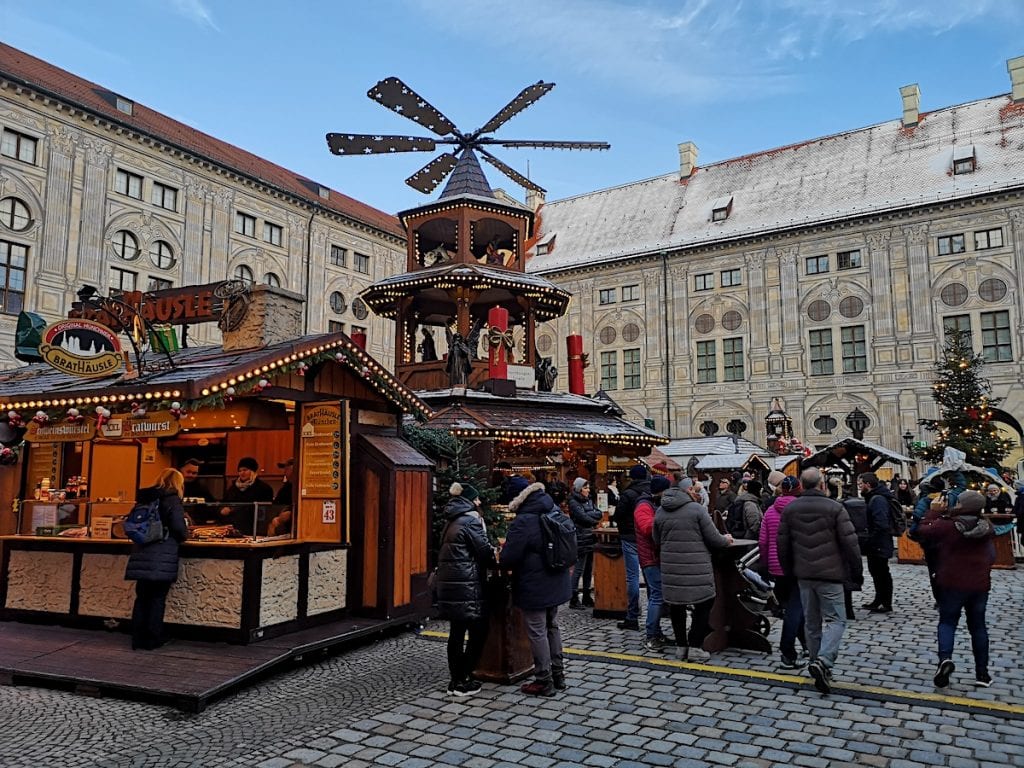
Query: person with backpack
x,y
930,490
154,566
743,519
536,589
650,560
879,546
857,509
786,590
623,520
586,517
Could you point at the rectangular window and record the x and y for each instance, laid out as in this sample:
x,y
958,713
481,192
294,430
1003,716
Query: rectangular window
x,y
606,296
18,145
158,284
358,329
245,224
849,259
339,256
705,282
707,365
631,369
335,327
609,371
995,337
816,265
630,292
731,277
951,244
127,183
164,196
953,323
855,353
732,357
271,233
13,257
821,352
988,238
362,263
122,279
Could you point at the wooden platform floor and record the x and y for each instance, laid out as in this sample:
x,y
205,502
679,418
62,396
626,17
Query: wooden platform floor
x,y
185,674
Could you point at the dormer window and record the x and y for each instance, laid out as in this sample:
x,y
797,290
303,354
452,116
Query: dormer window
x,y
963,159
545,245
721,208
124,105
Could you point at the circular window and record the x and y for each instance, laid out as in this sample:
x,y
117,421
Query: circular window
x,y
630,332
704,323
544,343
161,255
992,289
607,335
244,274
14,214
732,320
359,309
851,306
954,294
338,302
125,245
819,310
272,280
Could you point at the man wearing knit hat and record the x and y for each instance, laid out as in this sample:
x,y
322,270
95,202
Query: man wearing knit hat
x,y
639,487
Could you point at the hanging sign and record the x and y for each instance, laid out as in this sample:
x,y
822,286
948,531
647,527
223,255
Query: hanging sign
x,y
154,424
61,431
81,348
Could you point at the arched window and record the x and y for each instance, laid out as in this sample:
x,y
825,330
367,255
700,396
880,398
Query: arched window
x,y
244,273
14,214
272,280
125,245
161,255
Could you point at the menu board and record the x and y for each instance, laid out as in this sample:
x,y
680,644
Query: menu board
x,y
322,461
43,461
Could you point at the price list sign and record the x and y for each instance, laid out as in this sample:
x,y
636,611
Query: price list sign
x,y
323,450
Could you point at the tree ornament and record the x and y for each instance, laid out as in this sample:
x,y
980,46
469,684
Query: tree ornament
x,y
41,418
14,419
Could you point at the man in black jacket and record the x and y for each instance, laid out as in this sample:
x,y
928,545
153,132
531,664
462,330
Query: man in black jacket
x,y
818,544
623,520
879,547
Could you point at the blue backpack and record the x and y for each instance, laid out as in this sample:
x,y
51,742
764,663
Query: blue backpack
x,y
143,524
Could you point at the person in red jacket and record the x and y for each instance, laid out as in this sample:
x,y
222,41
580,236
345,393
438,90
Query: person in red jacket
x,y
650,561
963,539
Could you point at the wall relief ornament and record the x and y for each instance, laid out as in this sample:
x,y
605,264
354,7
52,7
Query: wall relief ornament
x,y
62,139
916,234
879,241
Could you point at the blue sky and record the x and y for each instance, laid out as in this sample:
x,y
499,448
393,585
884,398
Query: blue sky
x,y
734,77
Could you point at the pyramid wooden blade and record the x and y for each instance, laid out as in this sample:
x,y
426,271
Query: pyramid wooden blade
x,y
526,98
398,97
433,173
513,174
365,144
541,144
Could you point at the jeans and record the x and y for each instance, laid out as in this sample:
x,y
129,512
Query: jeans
x,y
632,563
652,575
878,567
824,618
585,571
462,661
148,613
700,627
787,592
951,603
545,642
931,561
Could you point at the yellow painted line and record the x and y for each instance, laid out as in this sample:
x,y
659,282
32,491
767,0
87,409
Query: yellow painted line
x,y
852,688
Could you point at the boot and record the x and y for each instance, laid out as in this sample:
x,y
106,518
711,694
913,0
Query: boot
x,y
588,599
574,601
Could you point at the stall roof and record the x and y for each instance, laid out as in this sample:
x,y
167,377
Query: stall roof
x,y
731,460
874,448
701,446
397,451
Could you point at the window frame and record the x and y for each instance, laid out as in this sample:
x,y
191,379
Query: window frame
x,y
733,368
817,262
945,245
20,141
10,251
361,262
161,283
273,234
335,326
164,196
964,165
244,273
13,216
633,292
854,350
119,245
272,279
998,337
850,254
631,378
707,362
245,224
606,296
957,322
124,181
735,277
121,273
821,351
702,282
333,256
609,371
157,258
988,239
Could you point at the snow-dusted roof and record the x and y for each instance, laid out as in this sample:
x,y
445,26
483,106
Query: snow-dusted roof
x,y
702,446
874,169
729,460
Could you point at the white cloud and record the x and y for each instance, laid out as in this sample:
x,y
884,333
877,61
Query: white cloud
x,y
195,11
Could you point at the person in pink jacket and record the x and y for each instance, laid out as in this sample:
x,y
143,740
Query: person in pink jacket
x,y
786,592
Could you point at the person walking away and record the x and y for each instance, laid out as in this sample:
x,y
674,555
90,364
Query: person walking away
x,y
623,520
685,536
879,545
966,554
818,545
462,563
928,492
535,589
650,562
154,566
586,517
787,593
857,509
750,497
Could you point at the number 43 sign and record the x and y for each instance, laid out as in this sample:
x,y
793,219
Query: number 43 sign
x,y
330,511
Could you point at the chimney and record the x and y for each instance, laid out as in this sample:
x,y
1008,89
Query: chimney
x,y
534,199
687,159
1016,69
273,315
911,105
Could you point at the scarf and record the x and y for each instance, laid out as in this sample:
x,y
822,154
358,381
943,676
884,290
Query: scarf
x,y
244,486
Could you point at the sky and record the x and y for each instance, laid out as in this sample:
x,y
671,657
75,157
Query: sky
x,y
732,76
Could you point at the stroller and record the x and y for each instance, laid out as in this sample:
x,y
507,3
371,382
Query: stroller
x,y
757,594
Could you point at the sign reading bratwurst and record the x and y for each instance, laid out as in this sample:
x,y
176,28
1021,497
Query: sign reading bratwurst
x,y
81,348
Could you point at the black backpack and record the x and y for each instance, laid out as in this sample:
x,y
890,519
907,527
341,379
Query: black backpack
x,y
734,519
897,517
143,524
558,535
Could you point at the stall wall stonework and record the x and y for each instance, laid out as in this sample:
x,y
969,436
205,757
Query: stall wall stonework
x,y
104,591
40,581
208,593
328,581
279,598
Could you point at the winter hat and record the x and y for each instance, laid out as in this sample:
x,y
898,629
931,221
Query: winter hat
x,y
517,484
248,462
660,484
686,484
992,487
789,483
775,478
753,487
467,491
638,472
578,483
969,503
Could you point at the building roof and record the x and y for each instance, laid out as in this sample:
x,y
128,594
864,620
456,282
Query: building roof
x,y
21,68
467,178
858,173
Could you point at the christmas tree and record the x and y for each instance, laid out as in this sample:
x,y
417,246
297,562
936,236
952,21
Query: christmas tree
x,y
965,407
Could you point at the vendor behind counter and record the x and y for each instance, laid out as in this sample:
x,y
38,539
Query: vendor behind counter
x,y
247,489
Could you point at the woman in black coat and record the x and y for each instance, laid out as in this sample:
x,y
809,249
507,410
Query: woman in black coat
x,y
154,566
586,517
462,564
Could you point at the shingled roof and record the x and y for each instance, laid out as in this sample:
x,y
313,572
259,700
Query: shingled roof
x,y
862,172
42,77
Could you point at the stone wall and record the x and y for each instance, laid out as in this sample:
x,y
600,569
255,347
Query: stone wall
x,y
39,581
328,581
280,595
207,593
104,591
274,315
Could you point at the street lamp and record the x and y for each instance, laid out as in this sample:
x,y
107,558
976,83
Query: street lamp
x,y
857,421
908,440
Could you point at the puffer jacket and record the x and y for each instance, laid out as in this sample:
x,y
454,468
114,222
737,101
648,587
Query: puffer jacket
x,y
880,534
623,517
684,533
752,515
534,587
643,517
964,563
158,561
586,517
817,540
462,563
768,537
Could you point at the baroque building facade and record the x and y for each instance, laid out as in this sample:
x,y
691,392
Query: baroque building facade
x,y
97,189
826,274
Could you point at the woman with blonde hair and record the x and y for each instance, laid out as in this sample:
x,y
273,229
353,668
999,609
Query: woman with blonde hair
x,y
154,566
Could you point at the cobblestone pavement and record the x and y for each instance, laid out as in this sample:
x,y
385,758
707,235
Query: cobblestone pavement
x,y
384,704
